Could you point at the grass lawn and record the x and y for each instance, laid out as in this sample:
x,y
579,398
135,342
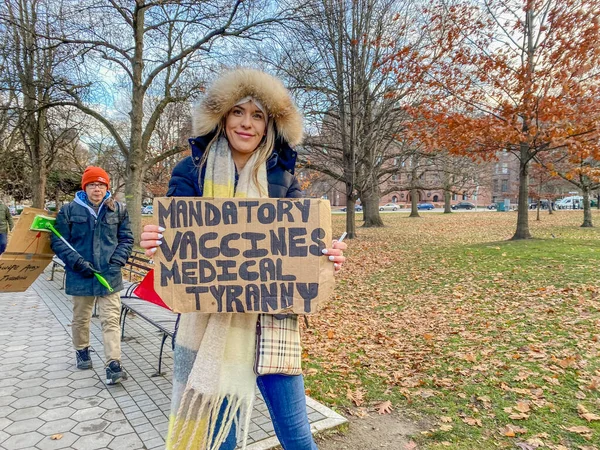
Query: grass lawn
x,y
492,342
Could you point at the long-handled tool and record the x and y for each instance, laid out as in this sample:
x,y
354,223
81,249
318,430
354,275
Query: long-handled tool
x,y
45,223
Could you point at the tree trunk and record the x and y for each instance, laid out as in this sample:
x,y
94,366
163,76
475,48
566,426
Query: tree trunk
x,y
38,187
414,212
39,169
136,157
370,202
350,217
522,231
587,210
538,209
133,196
447,202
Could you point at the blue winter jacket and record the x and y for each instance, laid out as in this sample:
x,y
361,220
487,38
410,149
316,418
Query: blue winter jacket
x,y
186,182
104,240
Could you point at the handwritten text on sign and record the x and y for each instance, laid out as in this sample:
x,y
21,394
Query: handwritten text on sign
x,y
243,255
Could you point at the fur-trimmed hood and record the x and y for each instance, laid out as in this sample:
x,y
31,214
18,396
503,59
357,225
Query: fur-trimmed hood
x,y
233,86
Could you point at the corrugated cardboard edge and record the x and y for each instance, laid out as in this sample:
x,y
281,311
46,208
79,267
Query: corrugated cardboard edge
x,y
326,269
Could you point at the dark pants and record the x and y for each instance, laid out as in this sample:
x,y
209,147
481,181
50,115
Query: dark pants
x,y
3,237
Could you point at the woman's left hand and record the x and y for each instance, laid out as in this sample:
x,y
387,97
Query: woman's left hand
x,y
336,254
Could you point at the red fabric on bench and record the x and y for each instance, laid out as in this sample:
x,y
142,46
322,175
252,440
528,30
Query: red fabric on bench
x,y
145,290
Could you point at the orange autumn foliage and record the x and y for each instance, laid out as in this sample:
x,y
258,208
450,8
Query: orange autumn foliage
x,y
518,75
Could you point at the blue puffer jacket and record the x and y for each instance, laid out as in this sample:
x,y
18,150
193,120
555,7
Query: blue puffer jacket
x,y
104,240
185,181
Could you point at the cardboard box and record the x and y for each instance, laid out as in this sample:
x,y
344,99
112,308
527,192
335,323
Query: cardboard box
x,y
27,255
243,255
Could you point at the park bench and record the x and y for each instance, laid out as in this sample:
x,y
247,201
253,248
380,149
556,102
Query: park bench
x,y
160,318
164,320
137,264
57,262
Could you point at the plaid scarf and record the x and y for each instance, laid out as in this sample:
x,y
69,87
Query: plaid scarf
x,y
213,378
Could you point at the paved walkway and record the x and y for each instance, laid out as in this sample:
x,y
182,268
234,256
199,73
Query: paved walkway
x,y
46,403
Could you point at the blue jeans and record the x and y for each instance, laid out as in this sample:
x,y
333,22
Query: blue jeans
x,y
284,397
3,237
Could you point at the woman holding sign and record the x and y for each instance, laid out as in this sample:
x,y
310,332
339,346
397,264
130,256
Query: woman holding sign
x,y
246,126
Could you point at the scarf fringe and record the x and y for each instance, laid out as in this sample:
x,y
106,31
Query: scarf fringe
x,y
197,418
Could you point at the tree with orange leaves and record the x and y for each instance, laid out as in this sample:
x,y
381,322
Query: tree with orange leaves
x,y
516,75
583,172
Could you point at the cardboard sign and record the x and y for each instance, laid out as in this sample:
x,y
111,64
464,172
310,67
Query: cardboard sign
x,y
243,255
27,254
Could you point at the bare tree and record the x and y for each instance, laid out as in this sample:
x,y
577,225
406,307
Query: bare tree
x,y
31,78
332,62
158,52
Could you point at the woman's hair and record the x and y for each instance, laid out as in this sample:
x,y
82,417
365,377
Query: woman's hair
x,y
232,86
264,149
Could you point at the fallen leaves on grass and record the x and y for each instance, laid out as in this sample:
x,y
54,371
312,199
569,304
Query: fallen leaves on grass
x,y
525,446
356,396
585,414
384,407
472,421
580,429
513,430
441,336
523,407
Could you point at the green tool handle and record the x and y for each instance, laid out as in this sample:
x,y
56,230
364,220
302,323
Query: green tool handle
x,y
99,277
103,282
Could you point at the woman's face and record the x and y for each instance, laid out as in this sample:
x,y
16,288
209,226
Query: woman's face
x,y
245,126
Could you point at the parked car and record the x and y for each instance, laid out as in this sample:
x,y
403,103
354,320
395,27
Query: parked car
x,y
463,205
148,209
574,202
389,207
356,208
492,206
543,204
427,206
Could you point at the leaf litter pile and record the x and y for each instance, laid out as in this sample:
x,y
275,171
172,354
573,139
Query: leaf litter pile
x,y
494,342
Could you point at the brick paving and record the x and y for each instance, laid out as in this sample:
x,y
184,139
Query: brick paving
x,y
43,394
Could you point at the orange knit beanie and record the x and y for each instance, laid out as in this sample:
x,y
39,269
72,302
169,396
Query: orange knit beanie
x,y
94,174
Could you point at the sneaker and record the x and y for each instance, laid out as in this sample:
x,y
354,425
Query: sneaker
x,y
115,373
84,361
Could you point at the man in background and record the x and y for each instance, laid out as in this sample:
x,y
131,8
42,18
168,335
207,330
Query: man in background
x,y
6,225
100,240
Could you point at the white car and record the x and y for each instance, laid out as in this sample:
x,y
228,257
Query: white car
x,y
574,202
389,207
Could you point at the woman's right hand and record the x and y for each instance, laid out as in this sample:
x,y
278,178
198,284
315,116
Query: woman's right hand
x,y
151,238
